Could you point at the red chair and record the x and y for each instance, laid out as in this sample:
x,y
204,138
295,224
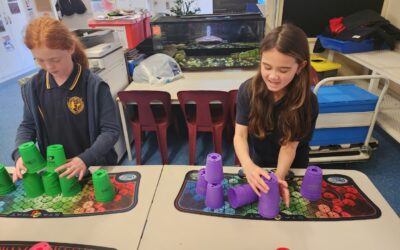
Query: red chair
x,y
232,112
209,113
152,113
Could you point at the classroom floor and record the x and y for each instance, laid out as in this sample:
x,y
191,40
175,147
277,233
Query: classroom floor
x,y
382,168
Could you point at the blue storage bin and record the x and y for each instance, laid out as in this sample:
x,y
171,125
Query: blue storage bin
x,y
342,98
348,46
345,98
336,136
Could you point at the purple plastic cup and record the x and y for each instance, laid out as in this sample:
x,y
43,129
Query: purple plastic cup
x,y
268,203
214,196
312,183
241,195
201,184
214,171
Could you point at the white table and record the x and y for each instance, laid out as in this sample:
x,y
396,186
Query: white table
x,y
119,230
225,80
168,228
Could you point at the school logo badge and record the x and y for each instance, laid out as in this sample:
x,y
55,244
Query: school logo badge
x,y
76,105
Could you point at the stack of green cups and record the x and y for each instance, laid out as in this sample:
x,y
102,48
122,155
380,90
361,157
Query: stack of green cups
x,y
70,187
55,158
51,184
6,184
33,185
31,157
103,188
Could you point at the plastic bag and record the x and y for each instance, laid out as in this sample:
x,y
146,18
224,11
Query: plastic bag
x,y
157,69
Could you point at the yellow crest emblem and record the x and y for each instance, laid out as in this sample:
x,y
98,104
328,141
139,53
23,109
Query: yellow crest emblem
x,y
76,105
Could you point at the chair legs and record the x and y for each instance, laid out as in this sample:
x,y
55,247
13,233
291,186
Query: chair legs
x,y
217,140
192,144
161,134
138,143
162,144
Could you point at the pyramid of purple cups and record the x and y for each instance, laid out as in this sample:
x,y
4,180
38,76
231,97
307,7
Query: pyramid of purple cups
x,y
209,181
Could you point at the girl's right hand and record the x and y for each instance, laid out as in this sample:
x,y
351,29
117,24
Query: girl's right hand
x,y
253,174
20,169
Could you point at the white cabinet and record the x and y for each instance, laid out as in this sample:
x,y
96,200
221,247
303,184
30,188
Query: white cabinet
x,y
15,58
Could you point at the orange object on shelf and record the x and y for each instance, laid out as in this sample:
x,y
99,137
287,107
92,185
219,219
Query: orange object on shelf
x,y
130,31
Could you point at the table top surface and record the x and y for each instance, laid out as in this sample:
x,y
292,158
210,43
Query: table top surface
x,y
211,80
118,230
384,62
379,58
168,228
177,230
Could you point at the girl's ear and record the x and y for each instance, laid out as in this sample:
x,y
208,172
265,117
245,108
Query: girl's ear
x,y
301,67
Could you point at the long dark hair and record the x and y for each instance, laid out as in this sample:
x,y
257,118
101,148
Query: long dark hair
x,y
295,119
49,32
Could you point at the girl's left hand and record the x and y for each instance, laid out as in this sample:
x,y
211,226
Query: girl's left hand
x,y
72,168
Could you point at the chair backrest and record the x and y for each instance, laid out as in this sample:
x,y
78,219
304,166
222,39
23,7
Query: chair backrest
x,y
203,99
232,105
145,99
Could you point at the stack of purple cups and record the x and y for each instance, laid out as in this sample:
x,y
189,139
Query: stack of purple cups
x,y
268,203
312,183
209,181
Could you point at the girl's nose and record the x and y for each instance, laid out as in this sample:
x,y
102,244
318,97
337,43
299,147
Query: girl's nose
x,y
273,75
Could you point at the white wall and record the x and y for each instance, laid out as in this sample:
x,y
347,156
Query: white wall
x,y
133,4
393,12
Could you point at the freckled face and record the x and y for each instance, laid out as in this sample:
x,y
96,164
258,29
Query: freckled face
x,y
277,71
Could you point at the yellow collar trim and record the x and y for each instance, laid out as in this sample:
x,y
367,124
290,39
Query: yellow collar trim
x,y
78,75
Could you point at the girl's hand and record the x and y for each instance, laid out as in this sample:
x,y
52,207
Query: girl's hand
x,y
72,168
20,169
284,191
253,174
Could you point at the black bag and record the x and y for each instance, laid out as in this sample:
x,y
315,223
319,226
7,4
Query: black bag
x,y
65,7
69,7
365,24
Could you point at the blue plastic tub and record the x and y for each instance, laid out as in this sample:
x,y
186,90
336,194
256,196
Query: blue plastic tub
x,y
348,46
342,98
345,98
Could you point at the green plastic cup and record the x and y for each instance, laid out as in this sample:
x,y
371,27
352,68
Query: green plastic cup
x,y
51,184
33,185
104,190
6,184
55,157
69,187
31,157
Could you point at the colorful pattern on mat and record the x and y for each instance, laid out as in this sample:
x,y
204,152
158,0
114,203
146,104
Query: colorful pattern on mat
x,y
16,204
341,200
26,245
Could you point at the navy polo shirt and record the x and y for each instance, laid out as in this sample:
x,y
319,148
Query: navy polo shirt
x,y
265,151
63,110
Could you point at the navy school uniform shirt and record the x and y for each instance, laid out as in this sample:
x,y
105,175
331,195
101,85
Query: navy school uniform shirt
x,y
63,112
81,115
264,152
